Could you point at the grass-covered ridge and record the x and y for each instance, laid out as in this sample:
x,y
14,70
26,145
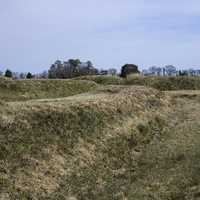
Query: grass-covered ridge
x,y
103,79
160,83
15,90
78,146
115,142
166,83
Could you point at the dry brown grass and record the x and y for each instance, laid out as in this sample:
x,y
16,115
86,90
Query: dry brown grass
x,y
80,129
21,90
42,175
118,142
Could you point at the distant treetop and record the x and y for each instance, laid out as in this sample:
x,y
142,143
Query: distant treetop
x,y
8,73
29,75
71,68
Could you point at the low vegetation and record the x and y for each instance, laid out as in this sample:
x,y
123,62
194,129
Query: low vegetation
x,y
160,83
114,142
77,146
19,90
103,79
166,83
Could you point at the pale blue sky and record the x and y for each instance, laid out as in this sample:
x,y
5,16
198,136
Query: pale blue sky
x,y
110,33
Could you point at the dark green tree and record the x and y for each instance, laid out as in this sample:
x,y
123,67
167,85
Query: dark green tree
x,y
52,71
129,69
8,73
182,73
74,62
29,75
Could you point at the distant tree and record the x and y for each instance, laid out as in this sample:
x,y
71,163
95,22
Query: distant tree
x,y
75,68
183,73
89,64
1,73
43,75
8,73
91,69
71,68
52,72
155,71
74,62
87,68
129,69
112,71
192,72
15,75
58,71
22,75
170,70
29,75
103,72
58,62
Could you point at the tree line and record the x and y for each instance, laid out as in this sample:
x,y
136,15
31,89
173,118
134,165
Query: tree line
x,y
70,69
74,68
62,70
16,75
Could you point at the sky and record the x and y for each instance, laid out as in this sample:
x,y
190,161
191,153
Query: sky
x,y
110,33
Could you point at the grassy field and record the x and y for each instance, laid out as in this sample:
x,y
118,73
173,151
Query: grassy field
x,y
103,79
166,83
113,142
160,83
19,90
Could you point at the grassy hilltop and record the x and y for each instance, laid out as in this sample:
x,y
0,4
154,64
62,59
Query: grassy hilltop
x,y
14,90
98,142
160,83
